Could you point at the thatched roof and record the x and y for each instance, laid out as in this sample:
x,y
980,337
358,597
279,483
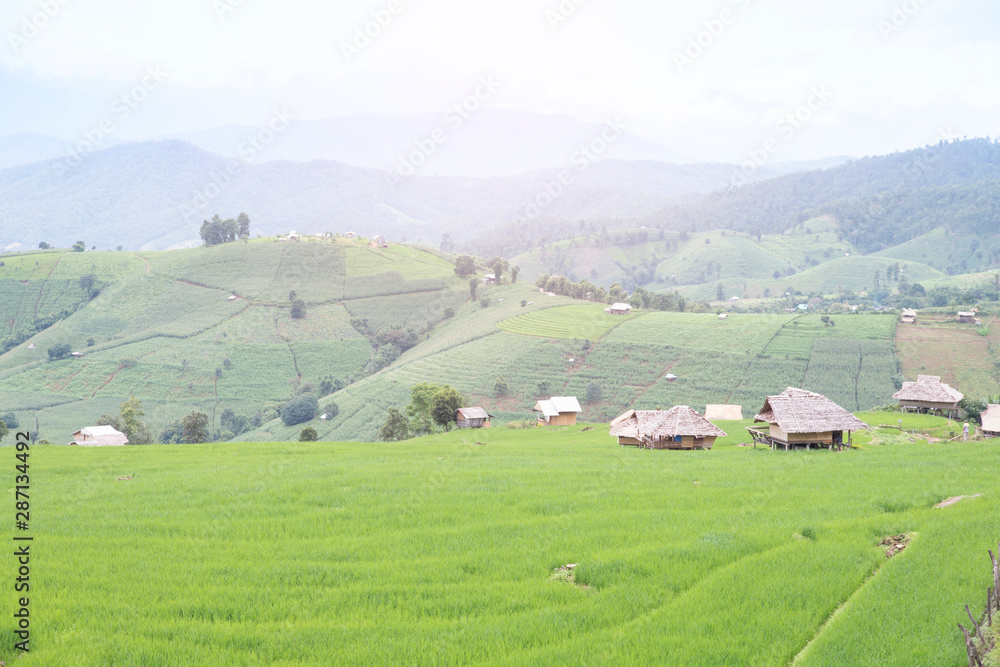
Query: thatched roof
x,y
558,405
724,412
801,411
645,425
909,312
99,436
991,419
929,389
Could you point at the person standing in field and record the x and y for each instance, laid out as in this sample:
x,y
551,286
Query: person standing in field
x,y
965,432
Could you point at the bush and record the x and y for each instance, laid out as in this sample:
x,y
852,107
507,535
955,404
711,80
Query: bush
x,y
59,351
449,313
9,419
298,309
593,392
308,434
299,410
331,410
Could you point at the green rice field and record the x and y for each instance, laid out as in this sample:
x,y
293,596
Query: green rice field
x,y
444,550
578,321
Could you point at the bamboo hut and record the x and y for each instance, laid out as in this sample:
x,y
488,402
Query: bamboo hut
x,y
800,418
908,316
472,418
558,411
991,421
928,394
676,428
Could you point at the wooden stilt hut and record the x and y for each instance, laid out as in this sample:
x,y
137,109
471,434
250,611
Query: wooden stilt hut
x,y
800,418
677,428
928,394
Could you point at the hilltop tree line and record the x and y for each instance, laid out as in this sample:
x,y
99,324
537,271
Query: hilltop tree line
x,y
219,231
586,290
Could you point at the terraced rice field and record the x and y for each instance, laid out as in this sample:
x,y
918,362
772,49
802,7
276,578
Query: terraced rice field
x,y
444,551
588,322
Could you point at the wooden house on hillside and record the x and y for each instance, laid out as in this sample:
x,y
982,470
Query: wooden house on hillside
x,y
928,394
677,428
908,316
619,309
472,418
558,411
99,436
991,421
800,418
965,318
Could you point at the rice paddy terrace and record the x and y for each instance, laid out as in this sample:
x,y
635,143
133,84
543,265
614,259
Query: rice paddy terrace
x,y
454,550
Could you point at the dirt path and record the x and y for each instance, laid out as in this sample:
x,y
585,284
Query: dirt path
x,y
954,500
840,609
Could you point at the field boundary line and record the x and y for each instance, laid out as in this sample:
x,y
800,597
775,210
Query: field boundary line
x,y
836,613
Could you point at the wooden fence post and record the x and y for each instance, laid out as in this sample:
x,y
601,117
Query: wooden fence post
x,y
970,648
989,606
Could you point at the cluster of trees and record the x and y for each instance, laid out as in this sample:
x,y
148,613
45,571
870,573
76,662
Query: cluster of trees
x,y
387,344
219,231
129,421
431,405
640,297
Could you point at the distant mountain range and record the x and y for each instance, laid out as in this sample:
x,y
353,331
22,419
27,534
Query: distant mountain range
x,y
154,195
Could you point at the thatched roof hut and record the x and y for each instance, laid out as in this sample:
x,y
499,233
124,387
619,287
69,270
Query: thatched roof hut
x,y
724,412
99,436
797,417
928,393
619,309
991,420
677,428
909,316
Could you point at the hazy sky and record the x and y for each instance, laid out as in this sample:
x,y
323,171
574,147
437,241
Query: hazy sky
x,y
712,80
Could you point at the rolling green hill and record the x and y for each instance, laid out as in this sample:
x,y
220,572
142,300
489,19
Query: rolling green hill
x,y
204,329
210,329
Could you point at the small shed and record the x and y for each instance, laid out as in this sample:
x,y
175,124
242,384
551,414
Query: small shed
x,y
908,316
723,316
99,436
991,420
724,412
488,279
677,428
965,318
619,309
350,235
472,418
801,418
558,411
928,394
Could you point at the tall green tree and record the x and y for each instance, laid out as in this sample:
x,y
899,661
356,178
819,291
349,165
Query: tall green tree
x,y
444,404
243,223
195,428
395,428
419,409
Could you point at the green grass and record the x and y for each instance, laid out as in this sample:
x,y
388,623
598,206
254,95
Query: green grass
x,y
580,321
440,551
